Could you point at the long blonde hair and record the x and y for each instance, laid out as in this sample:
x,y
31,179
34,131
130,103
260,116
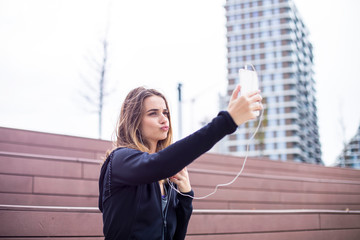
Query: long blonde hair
x,y
127,128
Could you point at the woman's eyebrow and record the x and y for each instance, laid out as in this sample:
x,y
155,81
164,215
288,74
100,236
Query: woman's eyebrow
x,y
156,109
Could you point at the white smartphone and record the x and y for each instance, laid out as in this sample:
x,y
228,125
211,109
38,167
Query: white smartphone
x,y
249,82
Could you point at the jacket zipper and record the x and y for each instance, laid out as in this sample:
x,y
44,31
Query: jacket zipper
x,y
166,209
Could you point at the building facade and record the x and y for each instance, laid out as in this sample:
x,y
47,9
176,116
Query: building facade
x,y
270,35
350,156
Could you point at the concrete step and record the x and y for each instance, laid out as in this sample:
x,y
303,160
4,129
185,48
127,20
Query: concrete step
x,y
24,141
24,222
37,179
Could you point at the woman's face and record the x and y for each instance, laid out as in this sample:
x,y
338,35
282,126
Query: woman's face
x,y
154,125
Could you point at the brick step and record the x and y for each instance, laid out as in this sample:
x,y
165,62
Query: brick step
x,y
48,200
47,165
223,199
57,191
208,204
348,234
78,201
211,178
220,162
57,166
23,222
37,179
55,238
262,222
39,221
24,141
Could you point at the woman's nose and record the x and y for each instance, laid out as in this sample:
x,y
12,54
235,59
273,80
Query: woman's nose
x,y
163,118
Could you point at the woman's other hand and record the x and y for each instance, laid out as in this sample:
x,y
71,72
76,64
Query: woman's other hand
x,y
242,108
181,179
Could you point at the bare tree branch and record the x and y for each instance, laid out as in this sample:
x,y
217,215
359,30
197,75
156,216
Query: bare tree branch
x,y
97,95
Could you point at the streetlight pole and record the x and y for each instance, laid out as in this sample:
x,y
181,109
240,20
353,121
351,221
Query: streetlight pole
x,y
180,109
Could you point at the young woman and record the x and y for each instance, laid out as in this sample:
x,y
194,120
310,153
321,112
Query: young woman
x,y
134,198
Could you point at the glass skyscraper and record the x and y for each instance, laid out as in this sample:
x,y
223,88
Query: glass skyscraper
x,y
270,35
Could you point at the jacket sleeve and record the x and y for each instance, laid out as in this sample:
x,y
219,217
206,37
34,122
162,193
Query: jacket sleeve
x,y
183,213
130,166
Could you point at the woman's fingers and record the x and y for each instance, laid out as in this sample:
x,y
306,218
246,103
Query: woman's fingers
x,y
252,93
256,97
242,108
235,93
182,180
181,175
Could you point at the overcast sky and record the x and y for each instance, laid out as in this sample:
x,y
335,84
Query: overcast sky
x,y
47,45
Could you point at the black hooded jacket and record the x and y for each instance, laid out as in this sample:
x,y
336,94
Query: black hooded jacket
x,y
130,197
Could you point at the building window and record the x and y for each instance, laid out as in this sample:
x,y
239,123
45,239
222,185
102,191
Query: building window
x,y
271,111
278,87
269,146
269,134
268,44
271,100
268,12
270,66
281,134
233,148
266,2
278,76
267,89
272,122
252,147
265,34
266,77
276,33
275,22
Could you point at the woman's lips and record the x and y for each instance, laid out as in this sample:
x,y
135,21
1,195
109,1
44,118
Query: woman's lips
x,y
165,128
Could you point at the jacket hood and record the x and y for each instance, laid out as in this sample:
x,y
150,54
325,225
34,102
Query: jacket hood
x,y
101,180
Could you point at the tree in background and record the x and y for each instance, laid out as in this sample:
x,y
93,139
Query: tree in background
x,y
96,84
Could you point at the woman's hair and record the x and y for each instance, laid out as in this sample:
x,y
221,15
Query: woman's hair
x,y
127,129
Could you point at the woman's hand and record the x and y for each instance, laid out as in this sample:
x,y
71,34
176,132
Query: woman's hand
x,y
242,108
181,179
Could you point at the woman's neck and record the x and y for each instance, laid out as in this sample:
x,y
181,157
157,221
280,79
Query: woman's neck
x,y
153,148
162,188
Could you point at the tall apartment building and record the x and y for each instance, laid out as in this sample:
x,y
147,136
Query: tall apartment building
x,y
270,35
350,156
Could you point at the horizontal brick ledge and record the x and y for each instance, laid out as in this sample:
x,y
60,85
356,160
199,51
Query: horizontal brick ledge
x,y
195,211
49,157
284,211
49,208
267,176
206,171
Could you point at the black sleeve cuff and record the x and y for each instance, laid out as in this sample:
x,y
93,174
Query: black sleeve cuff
x,y
230,122
186,198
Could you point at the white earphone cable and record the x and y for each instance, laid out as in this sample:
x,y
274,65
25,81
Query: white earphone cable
x,y
242,168
232,181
